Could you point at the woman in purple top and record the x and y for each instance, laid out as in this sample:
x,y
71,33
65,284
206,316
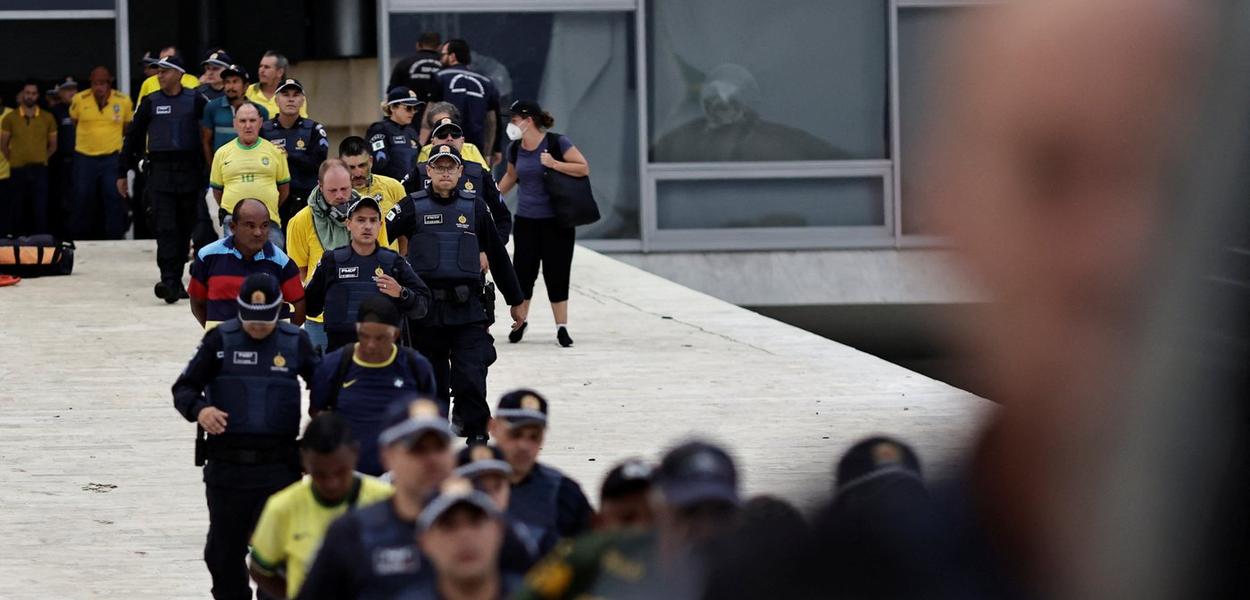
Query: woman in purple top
x,y
538,239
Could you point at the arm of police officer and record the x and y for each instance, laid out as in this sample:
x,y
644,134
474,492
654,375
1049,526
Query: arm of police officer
x,y
401,221
315,289
188,390
134,144
330,576
416,302
375,136
573,511
500,264
498,210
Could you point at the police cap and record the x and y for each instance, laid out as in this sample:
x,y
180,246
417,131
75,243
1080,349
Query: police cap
x,y
631,476
453,492
260,298
407,422
234,70
171,62
480,459
444,150
697,473
378,309
522,407
68,84
402,95
874,457
290,83
364,202
219,58
445,126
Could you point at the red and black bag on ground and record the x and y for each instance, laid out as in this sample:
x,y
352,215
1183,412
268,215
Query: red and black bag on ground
x,y
36,256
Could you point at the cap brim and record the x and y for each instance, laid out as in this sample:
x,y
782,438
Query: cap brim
x,y
266,313
165,65
690,493
214,62
483,467
413,429
439,507
518,417
435,157
290,86
442,128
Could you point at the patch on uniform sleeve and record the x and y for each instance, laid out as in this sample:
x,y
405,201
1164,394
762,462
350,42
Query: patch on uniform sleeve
x,y
378,143
392,213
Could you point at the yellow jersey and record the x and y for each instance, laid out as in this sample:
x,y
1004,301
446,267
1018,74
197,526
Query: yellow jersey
x,y
254,93
294,521
4,162
151,84
253,171
388,191
305,249
100,128
468,152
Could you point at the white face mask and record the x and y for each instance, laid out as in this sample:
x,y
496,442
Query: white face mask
x,y
514,131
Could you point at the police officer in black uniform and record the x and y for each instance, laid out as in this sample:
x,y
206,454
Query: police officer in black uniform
x,y
361,269
476,178
242,388
303,140
393,141
450,237
168,123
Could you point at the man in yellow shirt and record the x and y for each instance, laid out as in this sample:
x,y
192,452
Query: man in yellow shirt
x,y
101,115
295,519
151,84
321,226
434,116
272,72
5,226
250,167
386,190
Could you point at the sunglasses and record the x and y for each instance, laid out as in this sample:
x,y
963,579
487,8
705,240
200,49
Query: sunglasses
x,y
453,134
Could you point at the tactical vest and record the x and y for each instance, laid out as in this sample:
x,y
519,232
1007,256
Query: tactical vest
x,y
444,247
174,127
257,384
352,283
394,560
534,504
296,142
401,147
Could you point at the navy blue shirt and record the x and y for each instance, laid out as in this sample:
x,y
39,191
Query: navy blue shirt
x,y
474,95
366,554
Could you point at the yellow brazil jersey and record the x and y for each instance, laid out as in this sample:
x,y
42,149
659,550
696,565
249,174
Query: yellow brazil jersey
x,y
253,171
388,191
100,128
151,84
467,152
4,162
255,94
304,247
293,523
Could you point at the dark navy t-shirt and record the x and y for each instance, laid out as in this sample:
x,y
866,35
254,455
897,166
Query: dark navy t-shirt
x,y
532,199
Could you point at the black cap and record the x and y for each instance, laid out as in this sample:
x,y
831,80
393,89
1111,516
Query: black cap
x,y
447,124
402,95
480,459
526,107
237,71
68,83
149,58
288,83
453,492
696,473
631,476
378,309
220,58
874,457
522,407
407,421
442,150
171,62
364,202
260,298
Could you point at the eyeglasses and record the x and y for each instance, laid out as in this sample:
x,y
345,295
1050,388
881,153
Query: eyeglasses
x,y
443,170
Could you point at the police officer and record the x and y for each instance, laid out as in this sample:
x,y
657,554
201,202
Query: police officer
x,y
303,140
450,239
462,533
241,387
550,503
486,468
214,63
393,141
476,179
168,122
361,269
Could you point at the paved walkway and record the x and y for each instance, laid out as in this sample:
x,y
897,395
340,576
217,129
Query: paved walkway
x,y
99,498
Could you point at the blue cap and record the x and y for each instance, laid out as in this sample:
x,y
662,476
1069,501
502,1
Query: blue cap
x,y
236,70
220,58
480,459
170,62
697,473
455,491
408,421
402,95
522,407
260,298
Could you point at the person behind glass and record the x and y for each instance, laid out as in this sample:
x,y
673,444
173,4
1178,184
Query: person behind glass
x,y
348,275
102,115
242,388
393,141
476,178
61,163
28,141
539,239
472,93
451,239
302,140
417,72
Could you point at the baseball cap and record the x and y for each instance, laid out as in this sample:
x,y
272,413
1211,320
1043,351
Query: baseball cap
x,y
526,107
480,459
287,83
696,473
67,84
378,309
220,58
442,150
364,202
455,491
171,62
150,58
236,70
447,124
408,421
402,95
522,407
260,298
873,457
630,476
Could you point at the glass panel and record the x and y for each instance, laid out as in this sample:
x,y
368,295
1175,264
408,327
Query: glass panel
x,y
742,80
79,46
580,67
736,203
921,32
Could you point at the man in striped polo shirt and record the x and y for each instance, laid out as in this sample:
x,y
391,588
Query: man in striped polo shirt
x,y
220,268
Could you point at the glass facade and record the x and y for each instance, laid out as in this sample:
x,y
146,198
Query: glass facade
x,y
770,203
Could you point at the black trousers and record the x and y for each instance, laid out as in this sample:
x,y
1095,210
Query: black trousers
x,y
173,190
28,200
295,202
461,356
232,515
543,242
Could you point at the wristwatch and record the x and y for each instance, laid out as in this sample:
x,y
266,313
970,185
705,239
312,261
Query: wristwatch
x,y
404,293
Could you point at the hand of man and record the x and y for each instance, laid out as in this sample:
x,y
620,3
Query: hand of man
x,y
213,420
517,318
387,285
483,261
548,162
123,187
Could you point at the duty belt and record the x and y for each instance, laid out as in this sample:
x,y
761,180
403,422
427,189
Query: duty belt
x,y
246,456
458,294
